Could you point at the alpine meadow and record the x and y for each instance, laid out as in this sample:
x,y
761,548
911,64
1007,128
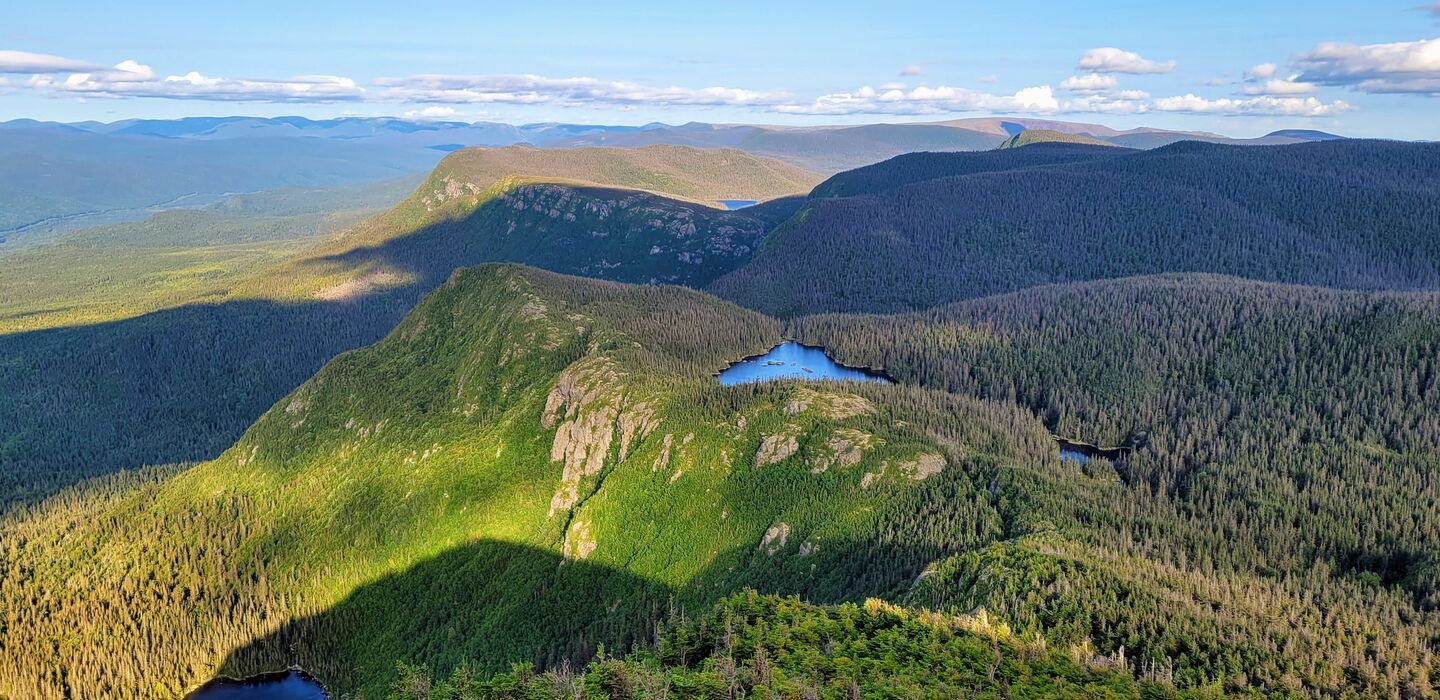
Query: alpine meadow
x,y
716,353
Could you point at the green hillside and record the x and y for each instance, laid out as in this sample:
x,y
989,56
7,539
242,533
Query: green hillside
x,y
1030,137
531,465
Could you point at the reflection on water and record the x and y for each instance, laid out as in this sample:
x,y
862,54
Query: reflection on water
x,y
733,204
286,685
791,360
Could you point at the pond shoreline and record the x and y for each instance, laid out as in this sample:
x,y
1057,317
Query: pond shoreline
x,y
872,373
265,677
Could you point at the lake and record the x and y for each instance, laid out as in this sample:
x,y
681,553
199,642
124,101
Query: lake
x,y
733,204
285,685
791,360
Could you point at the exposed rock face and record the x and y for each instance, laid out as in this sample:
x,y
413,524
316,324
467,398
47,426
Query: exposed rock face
x,y
582,407
774,448
833,405
844,448
635,423
774,539
926,465
579,541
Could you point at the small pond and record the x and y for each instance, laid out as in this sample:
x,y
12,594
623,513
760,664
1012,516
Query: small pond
x,y
1081,452
791,360
733,204
284,685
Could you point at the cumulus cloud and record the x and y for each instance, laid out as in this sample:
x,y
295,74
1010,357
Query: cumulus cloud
x,y
26,62
1281,86
1113,60
927,100
1263,105
535,89
1264,71
912,70
1092,82
133,79
1402,67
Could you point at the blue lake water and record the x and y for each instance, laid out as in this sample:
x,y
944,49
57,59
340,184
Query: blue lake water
x,y
733,204
1074,455
791,360
288,685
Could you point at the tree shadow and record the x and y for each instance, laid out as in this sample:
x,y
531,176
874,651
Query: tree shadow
x,y
487,603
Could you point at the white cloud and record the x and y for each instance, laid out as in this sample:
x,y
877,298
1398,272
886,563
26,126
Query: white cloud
x,y
927,100
912,70
1092,82
535,89
432,112
133,79
988,79
1264,105
1113,60
1264,71
1402,67
1281,86
26,62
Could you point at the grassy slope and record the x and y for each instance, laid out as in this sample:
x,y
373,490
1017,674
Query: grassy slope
x,y
1030,137
174,257
695,174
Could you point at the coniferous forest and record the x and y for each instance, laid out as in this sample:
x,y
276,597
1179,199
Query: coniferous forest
x,y
1163,424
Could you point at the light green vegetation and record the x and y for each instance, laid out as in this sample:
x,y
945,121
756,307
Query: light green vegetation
x,y
174,257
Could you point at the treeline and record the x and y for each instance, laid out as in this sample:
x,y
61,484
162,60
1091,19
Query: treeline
x,y
1354,214
754,646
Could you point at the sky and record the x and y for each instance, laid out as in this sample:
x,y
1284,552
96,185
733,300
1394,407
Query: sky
x,y
1240,68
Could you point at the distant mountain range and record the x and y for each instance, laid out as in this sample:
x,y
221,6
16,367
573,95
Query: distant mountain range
x,y
57,177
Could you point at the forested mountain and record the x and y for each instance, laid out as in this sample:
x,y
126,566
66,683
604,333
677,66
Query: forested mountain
x,y
1357,214
179,384
531,465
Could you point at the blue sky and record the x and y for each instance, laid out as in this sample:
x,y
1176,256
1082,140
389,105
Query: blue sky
x,y
1239,68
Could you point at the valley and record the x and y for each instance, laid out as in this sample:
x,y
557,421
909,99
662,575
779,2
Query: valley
x,y
672,419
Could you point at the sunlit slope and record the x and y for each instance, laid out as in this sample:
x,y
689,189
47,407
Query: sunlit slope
x,y
696,174
635,215
1030,137
514,421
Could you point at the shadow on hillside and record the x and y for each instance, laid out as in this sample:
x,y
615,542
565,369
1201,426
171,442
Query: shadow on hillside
x,y
181,385
488,603
172,386
640,238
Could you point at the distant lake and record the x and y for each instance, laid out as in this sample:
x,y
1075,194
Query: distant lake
x,y
285,685
733,204
791,360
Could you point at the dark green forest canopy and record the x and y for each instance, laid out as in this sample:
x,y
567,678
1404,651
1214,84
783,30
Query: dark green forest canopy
x,y
1353,214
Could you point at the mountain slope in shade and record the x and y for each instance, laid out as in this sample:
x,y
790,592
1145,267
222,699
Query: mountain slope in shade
x,y
1357,214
